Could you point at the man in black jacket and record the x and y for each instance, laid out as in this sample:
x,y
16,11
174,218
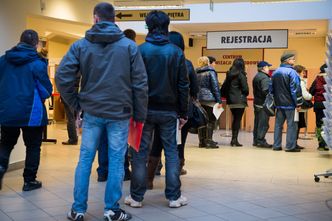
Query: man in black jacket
x,y
261,84
113,88
168,101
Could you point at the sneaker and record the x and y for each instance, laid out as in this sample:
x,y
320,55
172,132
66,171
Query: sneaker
x,y
2,173
299,147
132,203
277,148
116,215
72,215
182,201
32,185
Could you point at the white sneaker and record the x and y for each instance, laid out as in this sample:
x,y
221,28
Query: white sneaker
x,y
182,201
132,203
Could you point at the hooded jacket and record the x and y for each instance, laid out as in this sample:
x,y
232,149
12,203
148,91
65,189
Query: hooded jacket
x,y
167,74
235,88
286,88
208,85
113,80
24,85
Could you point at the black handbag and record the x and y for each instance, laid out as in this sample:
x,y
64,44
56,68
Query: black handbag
x,y
199,116
307,104
269,106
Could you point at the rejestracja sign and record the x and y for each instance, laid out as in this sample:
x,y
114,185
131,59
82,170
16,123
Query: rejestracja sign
x,y
247,39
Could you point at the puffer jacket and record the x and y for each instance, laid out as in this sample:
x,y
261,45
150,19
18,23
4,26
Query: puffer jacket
x,y
317,89
260,83
286,88
112,74
235,88
167,75
208,85
24,86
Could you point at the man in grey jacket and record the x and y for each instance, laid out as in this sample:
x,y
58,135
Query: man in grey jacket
x,y
260,85
113,88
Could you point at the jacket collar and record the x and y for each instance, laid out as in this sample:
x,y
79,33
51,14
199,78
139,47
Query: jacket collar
x,y
157,38
286,66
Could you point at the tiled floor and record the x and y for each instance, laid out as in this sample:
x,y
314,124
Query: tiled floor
x,y
238,184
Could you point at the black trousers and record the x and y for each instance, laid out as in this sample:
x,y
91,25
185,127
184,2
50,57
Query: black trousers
x,y
319,112
209,111
237,114
261,125
32,137
71,126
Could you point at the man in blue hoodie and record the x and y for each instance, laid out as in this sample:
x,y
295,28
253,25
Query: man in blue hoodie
x,y
286,90
168,101
113,88
24,86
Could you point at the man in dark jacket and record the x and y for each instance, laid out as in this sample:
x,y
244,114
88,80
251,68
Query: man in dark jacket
x,y
113,88
168,100
286,90
261,83
24,86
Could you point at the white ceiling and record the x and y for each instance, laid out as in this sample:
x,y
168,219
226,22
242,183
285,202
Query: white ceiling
x,y
317,28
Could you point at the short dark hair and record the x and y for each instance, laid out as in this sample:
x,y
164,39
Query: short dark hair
x,y
177,39
211,59
104,11
130,33
30,37
157,22
299,68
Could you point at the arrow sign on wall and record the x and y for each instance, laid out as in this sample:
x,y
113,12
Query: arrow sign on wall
x,y
122,15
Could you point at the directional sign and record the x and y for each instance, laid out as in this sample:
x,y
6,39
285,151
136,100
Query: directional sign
x,y
139,15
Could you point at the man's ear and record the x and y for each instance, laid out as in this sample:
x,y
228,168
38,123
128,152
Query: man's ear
x,y
96,19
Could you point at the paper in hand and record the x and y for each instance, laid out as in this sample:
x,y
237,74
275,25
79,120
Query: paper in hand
x,y
217,111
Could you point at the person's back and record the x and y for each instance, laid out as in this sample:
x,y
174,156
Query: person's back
x,y
113,89
168,100
163,61
24,86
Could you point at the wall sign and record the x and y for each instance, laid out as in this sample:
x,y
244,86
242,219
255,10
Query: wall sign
x,y
139,15
247,39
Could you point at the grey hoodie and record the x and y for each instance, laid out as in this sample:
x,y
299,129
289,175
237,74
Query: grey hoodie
x,y
113,79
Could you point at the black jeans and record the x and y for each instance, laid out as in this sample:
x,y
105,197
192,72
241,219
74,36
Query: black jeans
x,y
32,137
71,126
237,114
319,112
261,125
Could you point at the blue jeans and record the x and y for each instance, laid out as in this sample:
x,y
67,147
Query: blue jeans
x,y
102,169
166,122
281,116
117,135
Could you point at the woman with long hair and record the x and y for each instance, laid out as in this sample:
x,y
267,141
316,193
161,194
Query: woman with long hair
x,y
235,89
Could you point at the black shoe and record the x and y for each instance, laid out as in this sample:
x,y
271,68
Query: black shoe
x,y
254,144
102,178
32,185
323,149
2,173
277,148
293,150
69,142
72,215
299,147
119,215
235,143
264,145
210,144
127,175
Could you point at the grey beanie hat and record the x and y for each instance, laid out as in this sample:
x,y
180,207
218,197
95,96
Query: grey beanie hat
x,y
285,56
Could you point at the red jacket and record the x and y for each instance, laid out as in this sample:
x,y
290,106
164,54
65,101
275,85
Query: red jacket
x,y
317,89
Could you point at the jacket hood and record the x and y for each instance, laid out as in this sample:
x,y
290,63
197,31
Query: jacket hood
x,y
157,38
22,54
104,32
204,69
